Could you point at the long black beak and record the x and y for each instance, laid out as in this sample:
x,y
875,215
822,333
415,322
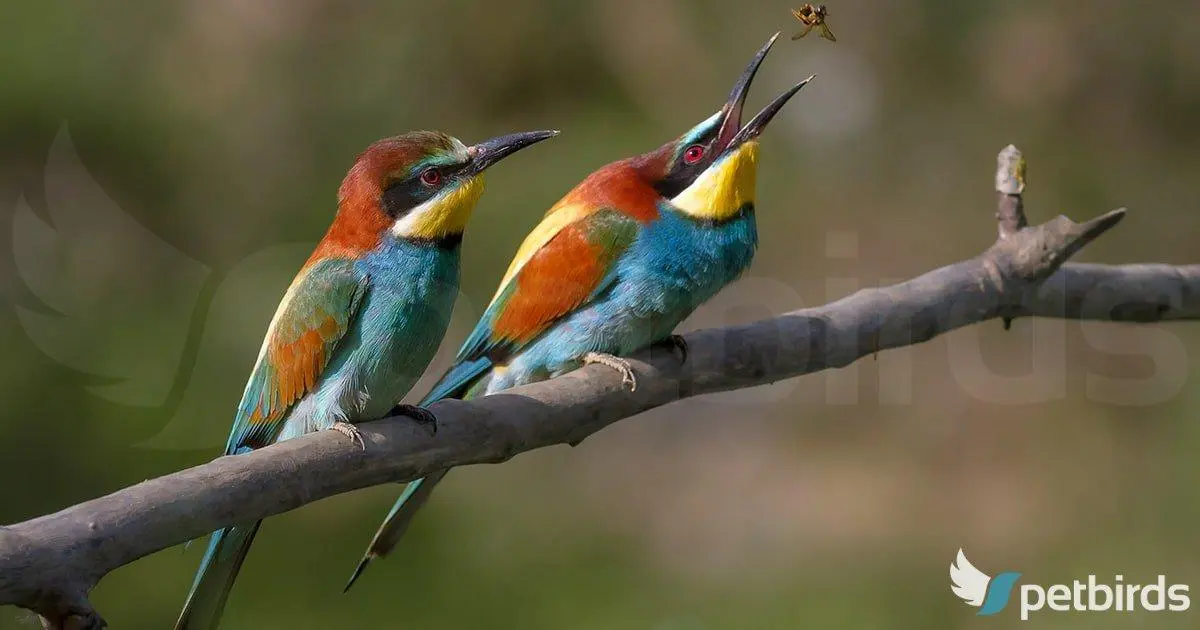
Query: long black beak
x,y
760,120
731,113
489,152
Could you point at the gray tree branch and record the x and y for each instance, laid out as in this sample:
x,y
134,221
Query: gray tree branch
x,y
50,563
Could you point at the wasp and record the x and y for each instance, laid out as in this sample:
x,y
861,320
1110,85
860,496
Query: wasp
x,y
813,17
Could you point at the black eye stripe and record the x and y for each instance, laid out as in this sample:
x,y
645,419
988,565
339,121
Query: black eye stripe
x,y
682,174
402,196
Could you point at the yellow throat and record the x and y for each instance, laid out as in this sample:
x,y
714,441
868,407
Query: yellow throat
x,y
723,189
446,214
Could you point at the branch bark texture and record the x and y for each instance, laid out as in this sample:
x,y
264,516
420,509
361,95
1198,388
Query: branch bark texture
x,y
50,563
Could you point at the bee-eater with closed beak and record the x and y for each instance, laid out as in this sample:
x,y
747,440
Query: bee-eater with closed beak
x,y
613,267
363,317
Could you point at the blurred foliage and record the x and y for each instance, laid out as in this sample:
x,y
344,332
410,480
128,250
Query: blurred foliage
x,y
836,500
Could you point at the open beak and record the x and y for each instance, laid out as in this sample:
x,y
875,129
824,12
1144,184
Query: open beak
x,y
731,112
760,120
489,152
732,132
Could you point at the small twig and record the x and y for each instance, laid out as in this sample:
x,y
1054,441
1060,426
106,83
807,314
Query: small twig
x,y
1010,185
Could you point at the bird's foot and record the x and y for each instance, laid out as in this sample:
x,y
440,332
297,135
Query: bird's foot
x,y
423,416
350,431
616,363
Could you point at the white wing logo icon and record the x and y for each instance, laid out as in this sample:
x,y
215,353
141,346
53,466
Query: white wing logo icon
x,y
967,582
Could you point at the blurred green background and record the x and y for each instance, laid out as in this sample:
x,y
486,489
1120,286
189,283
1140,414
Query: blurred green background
x,y
838,500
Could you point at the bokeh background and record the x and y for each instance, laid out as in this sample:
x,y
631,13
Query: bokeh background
x,y
165,167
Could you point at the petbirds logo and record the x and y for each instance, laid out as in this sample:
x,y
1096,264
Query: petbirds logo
x,y
991,595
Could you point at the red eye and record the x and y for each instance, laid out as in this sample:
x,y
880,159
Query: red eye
x,y
693,154
430,177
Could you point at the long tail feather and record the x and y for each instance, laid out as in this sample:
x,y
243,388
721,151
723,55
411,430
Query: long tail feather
x,y
457,380
397,522
226,551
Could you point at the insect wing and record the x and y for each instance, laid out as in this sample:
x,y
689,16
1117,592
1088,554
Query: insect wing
x,y
807,28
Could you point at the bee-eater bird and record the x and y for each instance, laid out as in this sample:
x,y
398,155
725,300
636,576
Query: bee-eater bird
x,y
613,267
363,317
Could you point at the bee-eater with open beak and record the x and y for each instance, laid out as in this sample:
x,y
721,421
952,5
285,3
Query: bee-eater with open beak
x,y
363,317
613,267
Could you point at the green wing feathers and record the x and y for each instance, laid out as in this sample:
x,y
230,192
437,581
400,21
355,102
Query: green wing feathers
x,y
314,315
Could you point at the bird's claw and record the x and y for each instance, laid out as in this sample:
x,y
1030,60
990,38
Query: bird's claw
x,y
616,363
350,431
423,416
681,345
88,620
